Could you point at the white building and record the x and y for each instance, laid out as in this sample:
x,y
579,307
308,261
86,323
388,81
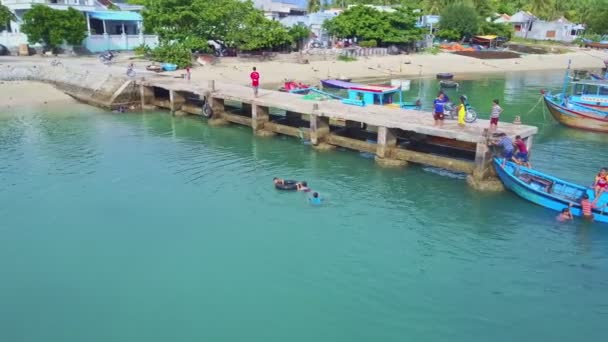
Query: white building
x,y
276,10
526,25
107,29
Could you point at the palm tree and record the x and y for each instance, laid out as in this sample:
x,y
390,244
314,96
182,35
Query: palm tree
x,y
313,6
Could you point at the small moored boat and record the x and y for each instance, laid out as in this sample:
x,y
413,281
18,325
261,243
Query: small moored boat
x,y
575,115
548,191
448,84
337,84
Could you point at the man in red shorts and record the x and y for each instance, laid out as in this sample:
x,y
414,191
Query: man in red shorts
x,y
439,105
255,81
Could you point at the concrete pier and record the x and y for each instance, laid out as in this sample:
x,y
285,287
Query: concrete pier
x,y
396,136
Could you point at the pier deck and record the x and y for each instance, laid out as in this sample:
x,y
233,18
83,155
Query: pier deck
x,y
391,123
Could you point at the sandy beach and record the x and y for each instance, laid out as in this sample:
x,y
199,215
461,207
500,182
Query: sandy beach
x,y
24,93
276,71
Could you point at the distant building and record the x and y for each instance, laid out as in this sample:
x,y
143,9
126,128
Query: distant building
x,y
526,25
314,22
502,19
276,9
107,29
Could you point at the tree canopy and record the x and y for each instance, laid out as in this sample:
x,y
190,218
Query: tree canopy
x,y
597,19
460,18
232,23
367,23
52,28
5,15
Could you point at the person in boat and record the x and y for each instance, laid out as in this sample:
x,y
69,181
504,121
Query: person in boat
x,y
315,199
601,182
439,105
506,143
495,115
521,157
302,186
565,215
278,181
587,207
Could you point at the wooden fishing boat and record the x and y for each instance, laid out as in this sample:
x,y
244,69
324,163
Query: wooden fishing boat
x,y
590,93
576,116
548,191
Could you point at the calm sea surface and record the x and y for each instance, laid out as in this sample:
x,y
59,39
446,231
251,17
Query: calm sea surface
x,y
158,228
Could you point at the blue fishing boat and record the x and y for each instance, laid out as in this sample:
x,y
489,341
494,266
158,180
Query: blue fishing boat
x,y
548,191
383,95
588,93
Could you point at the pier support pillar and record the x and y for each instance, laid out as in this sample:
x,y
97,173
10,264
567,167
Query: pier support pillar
x,y
385,149
146,95
319,129
176,101
259,117
482,178
217,105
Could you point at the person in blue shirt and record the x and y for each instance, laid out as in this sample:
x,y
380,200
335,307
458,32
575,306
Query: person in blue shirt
x,y
315,199
507,147
439,105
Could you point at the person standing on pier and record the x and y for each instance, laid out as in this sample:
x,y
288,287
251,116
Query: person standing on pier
x,y
439,104
255,81
496,111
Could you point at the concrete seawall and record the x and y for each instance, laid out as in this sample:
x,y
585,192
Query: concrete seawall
x,y
100,89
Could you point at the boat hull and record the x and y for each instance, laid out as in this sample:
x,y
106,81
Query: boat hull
x,y
577,118
542,198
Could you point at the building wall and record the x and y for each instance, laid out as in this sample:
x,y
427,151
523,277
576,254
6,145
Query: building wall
x,y
543,30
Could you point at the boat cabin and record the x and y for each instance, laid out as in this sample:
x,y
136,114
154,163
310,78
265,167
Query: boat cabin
x,y
364,95
591,92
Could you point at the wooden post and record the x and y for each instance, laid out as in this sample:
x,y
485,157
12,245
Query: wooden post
x,y
259,116
319,129
211,85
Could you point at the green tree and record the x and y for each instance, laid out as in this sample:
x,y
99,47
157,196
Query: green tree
x,y
313,6
5,15
52,28
366,23
460,18
596,20
299,33
541,8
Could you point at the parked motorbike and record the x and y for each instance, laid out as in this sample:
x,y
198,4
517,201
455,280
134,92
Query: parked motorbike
x,y
450,111
106,57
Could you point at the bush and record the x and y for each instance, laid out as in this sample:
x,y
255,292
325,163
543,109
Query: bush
x,y
174,53
372,43
346,58
448,34
143,50
433,50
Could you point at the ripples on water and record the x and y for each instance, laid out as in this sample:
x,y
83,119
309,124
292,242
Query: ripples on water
x,y
162,227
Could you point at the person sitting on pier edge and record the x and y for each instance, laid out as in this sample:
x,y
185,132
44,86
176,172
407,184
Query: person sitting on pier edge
x,y
565,215
278,181
302,186
439,104
521,157
507,147
601,182
315,199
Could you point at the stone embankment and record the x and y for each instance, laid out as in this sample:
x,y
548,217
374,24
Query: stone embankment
x,y
102,89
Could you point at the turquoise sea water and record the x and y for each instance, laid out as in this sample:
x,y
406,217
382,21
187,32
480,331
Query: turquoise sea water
x,y
158,228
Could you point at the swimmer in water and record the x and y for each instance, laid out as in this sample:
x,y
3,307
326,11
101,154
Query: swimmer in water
x,y
302,186
315,199
278,181
565,215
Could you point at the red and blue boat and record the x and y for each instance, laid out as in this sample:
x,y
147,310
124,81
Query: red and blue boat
x,y
581,108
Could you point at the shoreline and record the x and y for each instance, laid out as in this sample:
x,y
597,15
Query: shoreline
x,y
275,72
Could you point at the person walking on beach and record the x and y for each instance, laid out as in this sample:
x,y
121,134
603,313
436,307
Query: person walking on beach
x,y
496,111
255,81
